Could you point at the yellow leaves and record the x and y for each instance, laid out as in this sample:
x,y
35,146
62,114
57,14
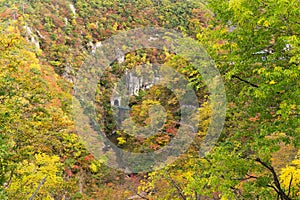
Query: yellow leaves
x,y
144,58
124,48
223,31
290,176
74,22
142,111
266,24
121,140
293,106
233,45
260,21
235,4
260,71
30,173
272,82
12,29
200,36
281,134
115,26
23,101
263,22
127,193
242,13
55,63
47,164
205,113
296,162
92,26
216,46
286,109
145,186
278,69
28,56
93,167
188,175
224,198
35,66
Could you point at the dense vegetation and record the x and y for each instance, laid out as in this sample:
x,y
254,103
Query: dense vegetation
x,y
256,47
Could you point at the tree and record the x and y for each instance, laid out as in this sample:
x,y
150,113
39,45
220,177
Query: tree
x,y
289,177
255,45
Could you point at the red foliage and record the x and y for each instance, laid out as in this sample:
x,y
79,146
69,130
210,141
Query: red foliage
x,y
68,172
171,130
6,13
76,167
63,159
89,157
154,146
254,119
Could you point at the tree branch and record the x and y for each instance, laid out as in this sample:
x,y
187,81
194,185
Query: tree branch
x,y
245,81
38,188
250,176
285,20
272,186
245,178
143,197
179,190
10,178
290,185
279,190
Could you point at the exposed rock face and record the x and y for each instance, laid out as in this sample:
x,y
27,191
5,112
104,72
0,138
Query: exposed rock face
x,y
130,84
133,83
119,55
68,73
31,36
95,46
66,21
72,8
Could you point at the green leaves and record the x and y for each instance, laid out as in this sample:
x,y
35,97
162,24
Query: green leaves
x,y
256,46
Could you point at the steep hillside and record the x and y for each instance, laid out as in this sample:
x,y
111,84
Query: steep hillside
x,y
255,46
43,44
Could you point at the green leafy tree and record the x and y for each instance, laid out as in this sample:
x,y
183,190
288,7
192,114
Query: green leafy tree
x,y
255,45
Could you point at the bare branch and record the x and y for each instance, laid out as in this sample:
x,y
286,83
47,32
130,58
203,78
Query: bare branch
x,y
38,188
290,185
143,197
272,186
277,186
245,81
179,190
285,20
245,178
10,178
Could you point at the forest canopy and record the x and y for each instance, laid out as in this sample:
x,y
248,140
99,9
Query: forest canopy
x,y
255,47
